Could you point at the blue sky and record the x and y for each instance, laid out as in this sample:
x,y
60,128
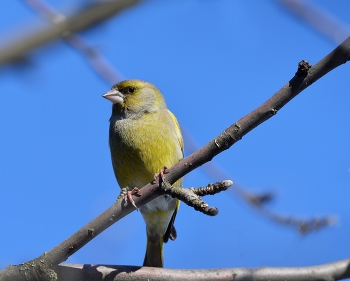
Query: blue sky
x,y
214,61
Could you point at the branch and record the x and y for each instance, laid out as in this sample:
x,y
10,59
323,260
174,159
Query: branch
x,y
42,268
258,200
81,20
330,271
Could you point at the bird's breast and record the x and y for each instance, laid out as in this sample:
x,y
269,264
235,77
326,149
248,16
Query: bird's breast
x,y
141,147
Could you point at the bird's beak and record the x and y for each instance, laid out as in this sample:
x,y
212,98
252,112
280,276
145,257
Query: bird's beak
x,y
114,96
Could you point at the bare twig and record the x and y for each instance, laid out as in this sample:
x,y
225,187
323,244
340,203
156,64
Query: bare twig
x,y
212,188
191,196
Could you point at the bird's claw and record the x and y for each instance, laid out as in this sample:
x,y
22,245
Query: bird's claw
x,y
159,177
127,194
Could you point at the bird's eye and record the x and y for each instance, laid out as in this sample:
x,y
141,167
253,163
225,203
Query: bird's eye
x,y
131,90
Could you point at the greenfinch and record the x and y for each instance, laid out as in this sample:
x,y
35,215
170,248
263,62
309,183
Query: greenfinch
x,y
144,137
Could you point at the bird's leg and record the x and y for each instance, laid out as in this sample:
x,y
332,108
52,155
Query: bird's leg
x,y
127,195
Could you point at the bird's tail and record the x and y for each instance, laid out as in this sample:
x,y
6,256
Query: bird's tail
x,y
154,253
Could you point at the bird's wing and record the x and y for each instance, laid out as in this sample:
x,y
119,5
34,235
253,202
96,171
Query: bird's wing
x,y
171,231
178,132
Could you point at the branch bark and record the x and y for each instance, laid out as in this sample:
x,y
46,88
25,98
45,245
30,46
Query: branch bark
x,y
330,271
43,267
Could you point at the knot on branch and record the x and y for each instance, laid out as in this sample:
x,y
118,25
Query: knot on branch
x,y
303,68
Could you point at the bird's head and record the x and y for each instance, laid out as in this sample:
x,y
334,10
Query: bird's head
x,y
132,98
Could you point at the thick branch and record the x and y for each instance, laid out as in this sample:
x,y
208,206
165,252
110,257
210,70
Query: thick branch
x,y
330,271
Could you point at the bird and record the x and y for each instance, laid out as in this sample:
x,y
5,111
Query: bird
x,y
144,138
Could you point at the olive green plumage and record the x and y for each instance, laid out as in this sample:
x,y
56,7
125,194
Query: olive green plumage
x,y
144,136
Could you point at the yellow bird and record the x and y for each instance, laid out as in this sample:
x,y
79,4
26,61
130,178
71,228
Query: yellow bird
x,y
144,136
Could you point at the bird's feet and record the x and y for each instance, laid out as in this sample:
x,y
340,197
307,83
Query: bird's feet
x,y
159,177
127,195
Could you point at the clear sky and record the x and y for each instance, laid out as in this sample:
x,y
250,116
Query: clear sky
x,y
214,61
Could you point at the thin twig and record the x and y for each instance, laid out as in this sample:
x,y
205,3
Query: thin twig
x,y
212,188
191,196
